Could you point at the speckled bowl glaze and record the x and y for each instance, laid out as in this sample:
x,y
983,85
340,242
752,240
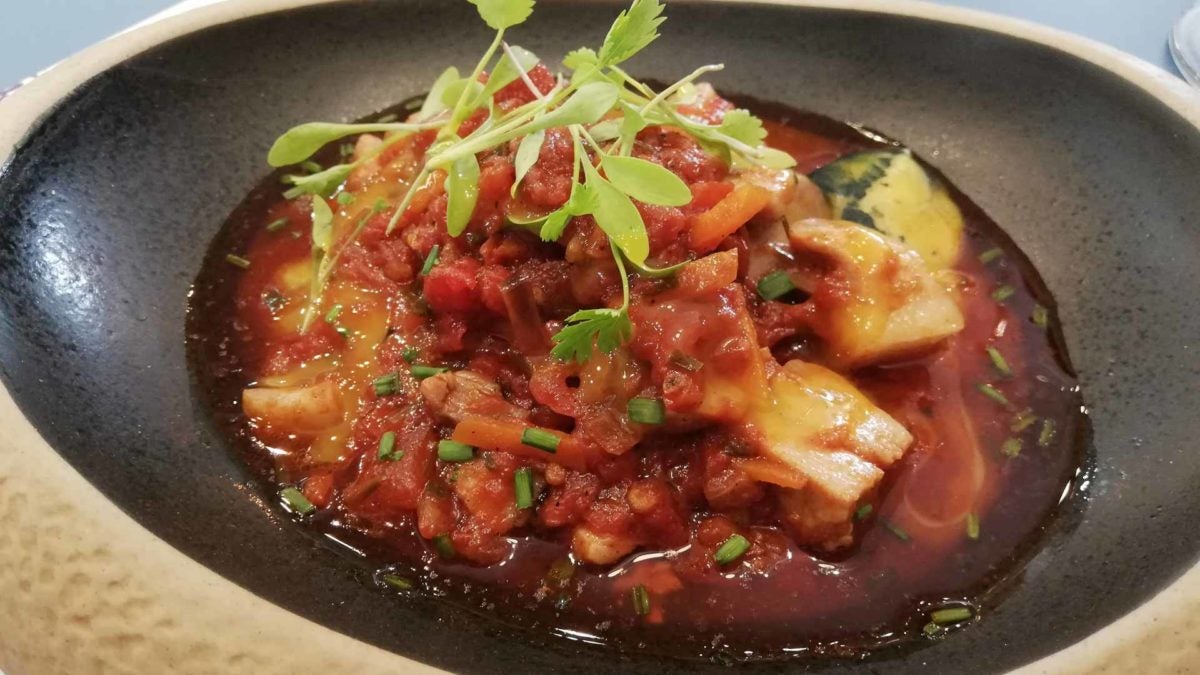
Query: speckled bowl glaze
x,y
132,540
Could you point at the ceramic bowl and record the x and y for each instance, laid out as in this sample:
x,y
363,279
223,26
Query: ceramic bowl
x,y
133,540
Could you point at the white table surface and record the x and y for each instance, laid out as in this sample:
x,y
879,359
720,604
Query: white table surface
x,y
36,33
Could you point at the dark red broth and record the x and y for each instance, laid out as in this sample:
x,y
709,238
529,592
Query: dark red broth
x,y
912,551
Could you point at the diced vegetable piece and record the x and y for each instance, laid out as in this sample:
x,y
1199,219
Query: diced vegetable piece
x,y
304,409
887,190
809,405
710,273
508,436
708,229
895,306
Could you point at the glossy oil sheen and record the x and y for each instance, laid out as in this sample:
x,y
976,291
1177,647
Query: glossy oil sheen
x,y
107,207
876,595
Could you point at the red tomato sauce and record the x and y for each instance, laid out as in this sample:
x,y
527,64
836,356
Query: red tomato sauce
x,y
651,504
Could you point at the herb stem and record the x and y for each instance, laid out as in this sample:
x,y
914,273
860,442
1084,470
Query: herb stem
x,y
521,71
460,112
666,93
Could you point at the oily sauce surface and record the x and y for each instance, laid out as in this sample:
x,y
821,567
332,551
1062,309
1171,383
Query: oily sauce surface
x,y
914,550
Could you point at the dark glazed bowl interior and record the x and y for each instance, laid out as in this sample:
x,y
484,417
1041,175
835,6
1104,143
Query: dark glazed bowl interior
x,y
109,206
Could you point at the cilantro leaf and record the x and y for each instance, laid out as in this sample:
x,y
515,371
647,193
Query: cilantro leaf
x,y
581,202
740,125
501,14
580,58
604,329
631,31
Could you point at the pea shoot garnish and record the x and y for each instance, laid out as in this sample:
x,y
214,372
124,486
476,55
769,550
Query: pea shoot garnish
x,y
603,109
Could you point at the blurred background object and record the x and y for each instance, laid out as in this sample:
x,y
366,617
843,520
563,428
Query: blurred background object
x,y
34,35
1185,45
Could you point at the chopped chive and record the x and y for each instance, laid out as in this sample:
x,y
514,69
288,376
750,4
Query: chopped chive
x,y
237,261
397,582
990,255
387,445
523,485
410,354
311,166
421,371
345,149
685,362
999,362
1046,435
646,410
380,206
430,260
775,285
994,394
1041,316
385,119
453,451
1011,447
334,312
277,225
948,615
343,331
540,439
386,385
731,550
345,198
444,546
296,501
895,529
863,511
972,526
1003,293
931,629
641,600
1023,421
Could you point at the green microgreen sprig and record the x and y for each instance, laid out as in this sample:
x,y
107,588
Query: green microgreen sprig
x,y
602,107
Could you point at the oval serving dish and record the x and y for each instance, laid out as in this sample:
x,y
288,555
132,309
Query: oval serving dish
x,y
131,531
